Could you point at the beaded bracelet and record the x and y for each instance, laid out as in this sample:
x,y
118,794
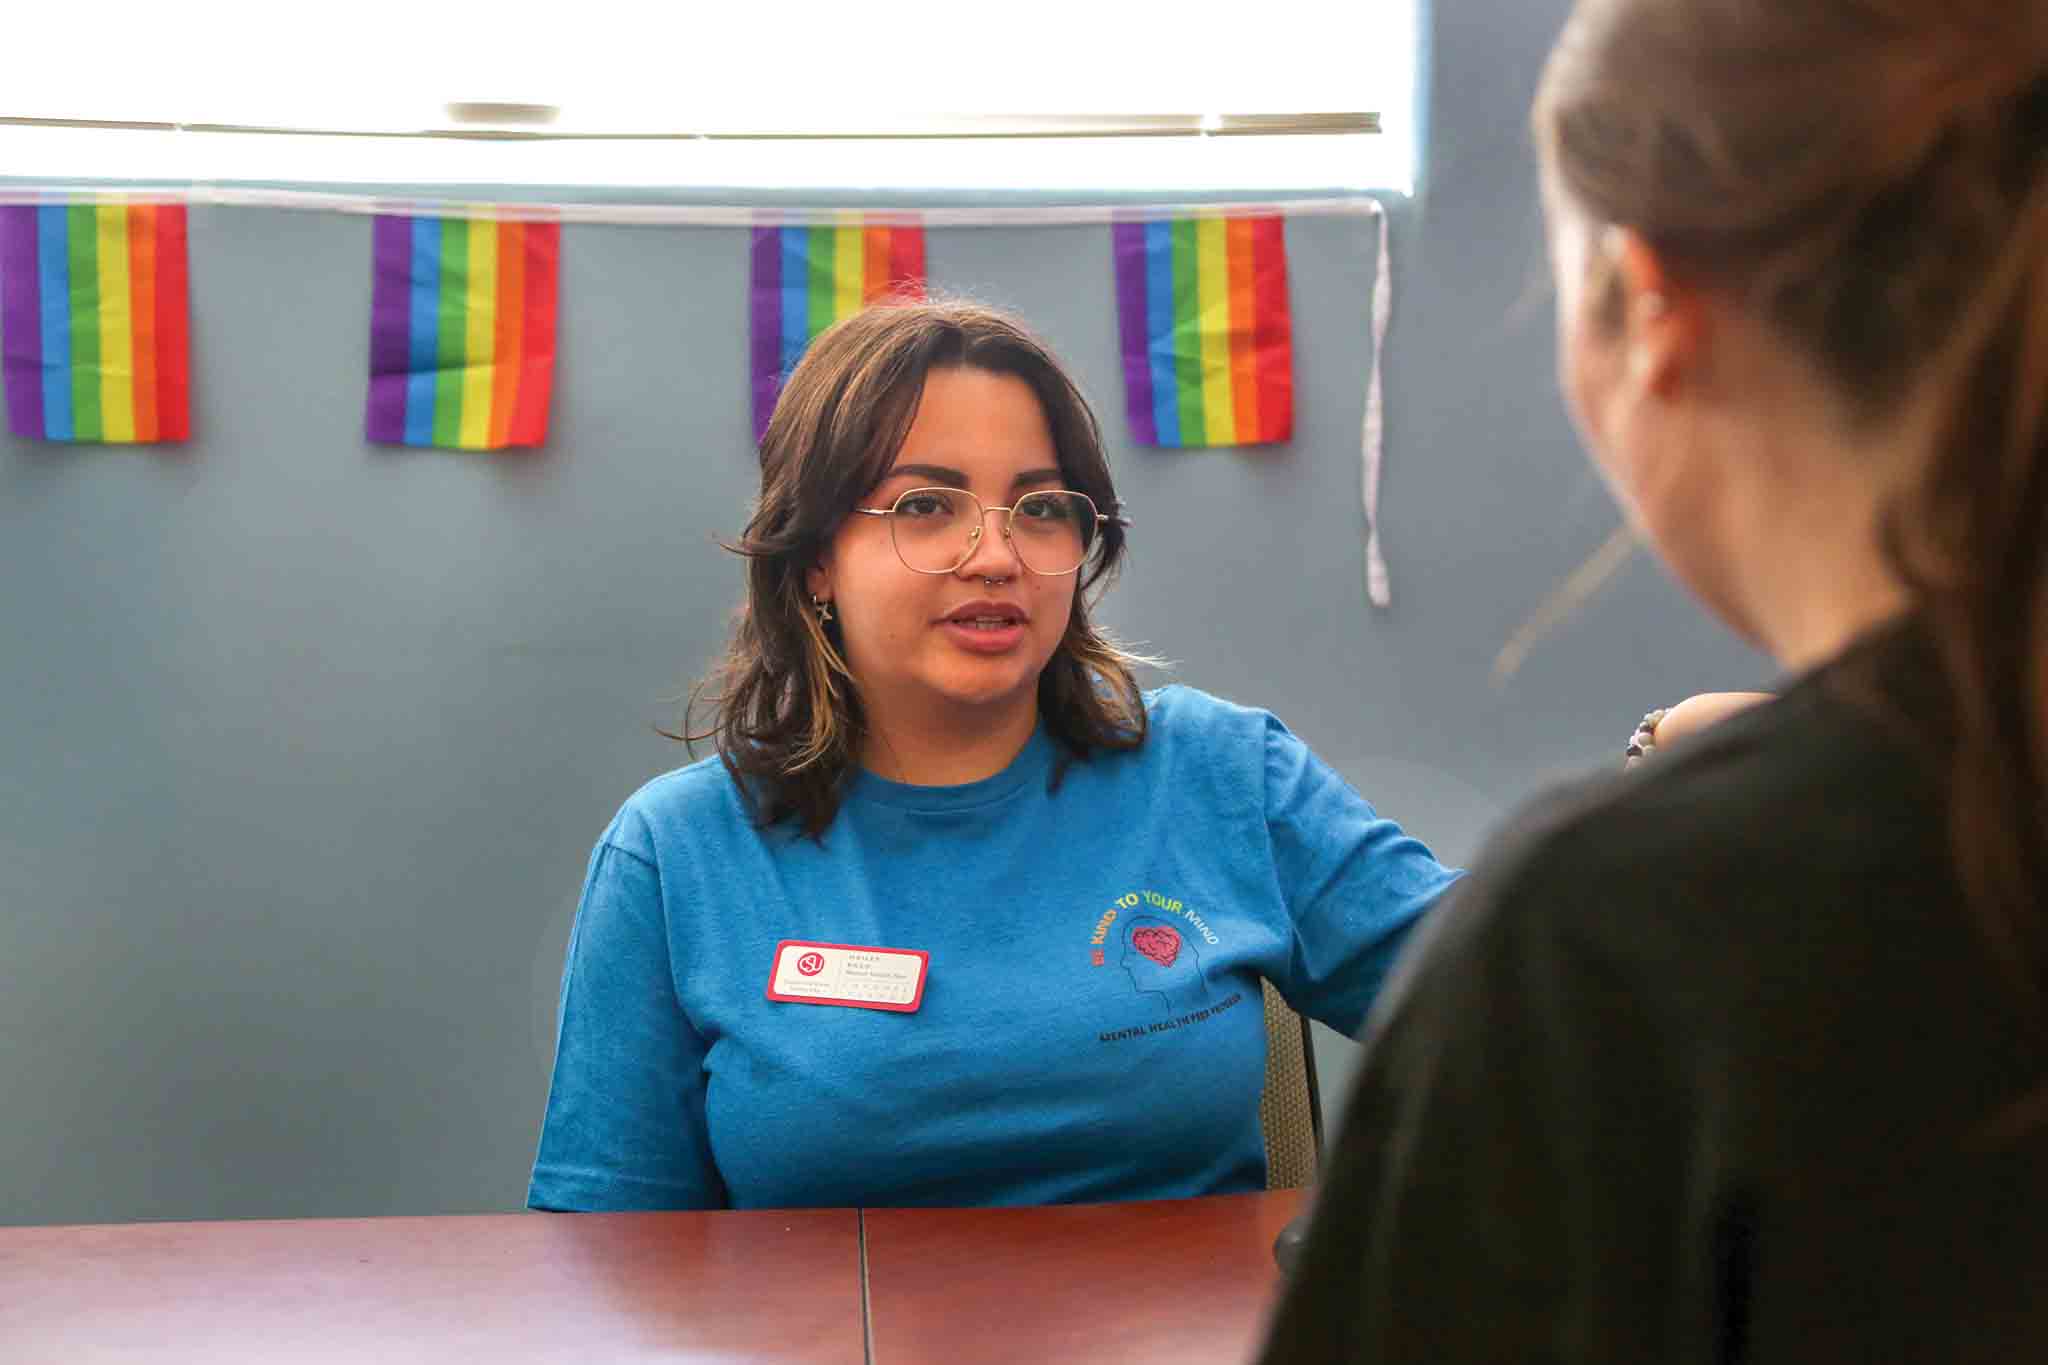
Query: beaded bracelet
x,y
1643,742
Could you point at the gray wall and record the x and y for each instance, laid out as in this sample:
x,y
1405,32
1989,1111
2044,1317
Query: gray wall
x,y
305,742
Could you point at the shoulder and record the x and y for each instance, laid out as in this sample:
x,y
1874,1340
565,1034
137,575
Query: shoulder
x,y
1189,717
1779,827
1246,750
1808,781
697,801
1195,733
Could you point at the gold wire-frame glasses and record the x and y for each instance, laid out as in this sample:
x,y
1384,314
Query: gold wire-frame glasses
x,y
936,530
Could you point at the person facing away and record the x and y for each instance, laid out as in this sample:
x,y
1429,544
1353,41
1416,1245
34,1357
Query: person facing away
x,y
1741,1057
925,744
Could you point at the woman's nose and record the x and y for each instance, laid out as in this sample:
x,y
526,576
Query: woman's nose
x,y
993,556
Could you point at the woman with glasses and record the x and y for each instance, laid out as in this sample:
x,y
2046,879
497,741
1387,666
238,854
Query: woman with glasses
x,y
957,915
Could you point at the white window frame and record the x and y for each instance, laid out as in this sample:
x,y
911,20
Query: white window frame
x,y
696,96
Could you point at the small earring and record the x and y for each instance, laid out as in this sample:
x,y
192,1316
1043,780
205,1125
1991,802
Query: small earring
x,y
822,607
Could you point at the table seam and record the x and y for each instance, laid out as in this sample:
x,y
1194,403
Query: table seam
x,y
867,1313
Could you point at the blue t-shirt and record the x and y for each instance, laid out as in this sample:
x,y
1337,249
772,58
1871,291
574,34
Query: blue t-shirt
x,y
1090,1027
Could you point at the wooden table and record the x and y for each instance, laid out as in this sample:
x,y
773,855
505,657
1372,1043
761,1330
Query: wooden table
x,y
1188,1281
502,1290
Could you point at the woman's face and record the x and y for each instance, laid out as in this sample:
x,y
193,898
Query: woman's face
x,y
1630,366
924,645
1589,349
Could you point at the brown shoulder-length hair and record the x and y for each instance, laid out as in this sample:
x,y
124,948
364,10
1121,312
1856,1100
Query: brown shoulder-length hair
x,y
785,712
1871,178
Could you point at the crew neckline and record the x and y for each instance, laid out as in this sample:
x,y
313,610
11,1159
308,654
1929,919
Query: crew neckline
x,y
1034,760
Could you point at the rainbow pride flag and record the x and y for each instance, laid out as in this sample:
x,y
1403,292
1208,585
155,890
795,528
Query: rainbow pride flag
x,y
462,332
807,278
95,319
1205,331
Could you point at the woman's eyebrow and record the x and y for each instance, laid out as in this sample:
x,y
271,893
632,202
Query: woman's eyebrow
x,y
954,478
937,473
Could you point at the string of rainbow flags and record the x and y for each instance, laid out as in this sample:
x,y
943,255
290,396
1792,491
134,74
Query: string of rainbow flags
x,y
95,338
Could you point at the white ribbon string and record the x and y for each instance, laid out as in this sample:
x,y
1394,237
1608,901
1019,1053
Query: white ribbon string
x,y
1374,447
682,215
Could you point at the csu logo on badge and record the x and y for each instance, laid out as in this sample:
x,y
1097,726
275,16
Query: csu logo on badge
x,y
810,964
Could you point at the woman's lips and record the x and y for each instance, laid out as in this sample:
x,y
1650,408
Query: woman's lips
x,y
985,627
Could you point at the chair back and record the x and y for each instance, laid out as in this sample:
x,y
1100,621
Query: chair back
x,y
1290,1108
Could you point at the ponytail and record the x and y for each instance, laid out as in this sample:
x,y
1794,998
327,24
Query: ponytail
x,y
1971,540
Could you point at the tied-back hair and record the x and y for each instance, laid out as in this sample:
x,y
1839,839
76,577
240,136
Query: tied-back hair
x,y
1871,178
785,712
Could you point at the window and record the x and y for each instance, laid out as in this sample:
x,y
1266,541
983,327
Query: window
x,y
618,71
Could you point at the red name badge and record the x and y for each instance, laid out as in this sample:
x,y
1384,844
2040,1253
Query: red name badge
x,y
842,974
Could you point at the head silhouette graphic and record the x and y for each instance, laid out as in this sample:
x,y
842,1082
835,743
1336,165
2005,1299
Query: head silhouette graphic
x,y
1161,960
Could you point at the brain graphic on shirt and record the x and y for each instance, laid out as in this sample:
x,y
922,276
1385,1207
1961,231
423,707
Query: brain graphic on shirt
x,y
1157,942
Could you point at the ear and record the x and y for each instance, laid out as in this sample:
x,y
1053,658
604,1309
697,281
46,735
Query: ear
x,y
1664,318
818,580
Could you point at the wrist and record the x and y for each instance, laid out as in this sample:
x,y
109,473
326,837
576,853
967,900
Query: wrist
x,y
1643,742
